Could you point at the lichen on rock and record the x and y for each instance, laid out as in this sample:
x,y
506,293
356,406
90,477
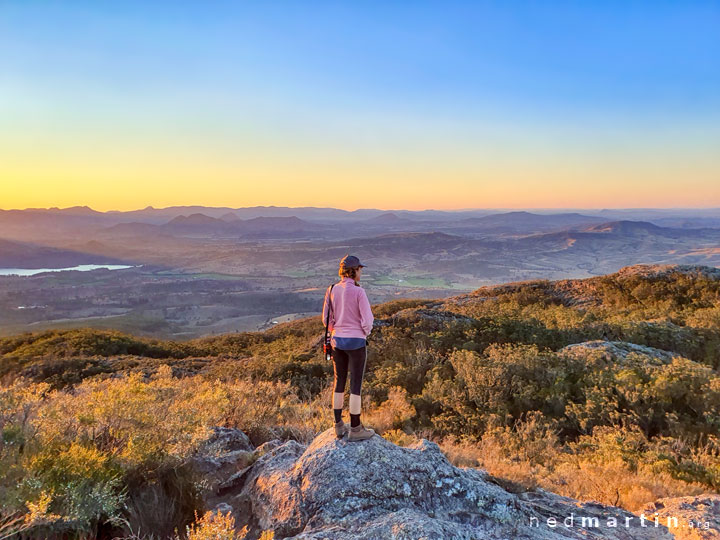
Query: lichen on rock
x,y
333,489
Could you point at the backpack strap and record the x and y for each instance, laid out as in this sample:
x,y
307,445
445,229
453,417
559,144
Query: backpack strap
x,y
327,319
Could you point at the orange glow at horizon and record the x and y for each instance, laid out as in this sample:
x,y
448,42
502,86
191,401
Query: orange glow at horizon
x,y
129,170
106,189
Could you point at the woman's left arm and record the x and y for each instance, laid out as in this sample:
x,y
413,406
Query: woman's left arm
x,y
366,316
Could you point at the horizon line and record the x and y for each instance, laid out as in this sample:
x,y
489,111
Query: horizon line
x,y
509,209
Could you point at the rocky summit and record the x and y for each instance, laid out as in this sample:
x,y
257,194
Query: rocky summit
x,y
691,518
334,489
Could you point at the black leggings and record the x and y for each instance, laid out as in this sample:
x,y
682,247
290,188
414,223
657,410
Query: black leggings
x,y
356,361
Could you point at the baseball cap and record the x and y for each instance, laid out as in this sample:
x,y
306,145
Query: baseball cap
x,y
351,261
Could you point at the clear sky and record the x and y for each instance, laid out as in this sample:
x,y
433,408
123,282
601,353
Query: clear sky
x,y
388,104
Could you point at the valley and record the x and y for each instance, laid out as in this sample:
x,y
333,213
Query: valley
x,y
197,271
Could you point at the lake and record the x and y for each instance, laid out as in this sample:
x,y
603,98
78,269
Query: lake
x,y
81,267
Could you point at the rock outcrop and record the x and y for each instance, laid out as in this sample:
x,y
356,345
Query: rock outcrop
x,y
663,270
688,518
336,490
618,351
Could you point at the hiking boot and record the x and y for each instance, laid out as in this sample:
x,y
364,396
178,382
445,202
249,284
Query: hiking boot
x,y
341,428
360,433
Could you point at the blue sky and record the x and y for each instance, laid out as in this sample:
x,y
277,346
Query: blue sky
x,y
492,100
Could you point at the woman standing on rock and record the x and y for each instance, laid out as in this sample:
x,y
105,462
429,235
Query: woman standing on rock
x,y
350,320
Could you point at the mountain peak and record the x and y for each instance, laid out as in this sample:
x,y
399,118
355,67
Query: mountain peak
x,y
74,210
230,216
193,219
276,219
388,217
624,227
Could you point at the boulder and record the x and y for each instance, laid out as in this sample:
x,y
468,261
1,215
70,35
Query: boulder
x,y
339,490
618,351
224,452
688,518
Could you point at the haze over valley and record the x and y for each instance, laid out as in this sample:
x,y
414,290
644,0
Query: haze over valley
x,y
195,270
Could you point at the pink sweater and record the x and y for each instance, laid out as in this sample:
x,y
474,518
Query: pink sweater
x,y
350,315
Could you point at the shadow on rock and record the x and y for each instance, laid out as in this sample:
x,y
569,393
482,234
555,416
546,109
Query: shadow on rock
x,y
334,489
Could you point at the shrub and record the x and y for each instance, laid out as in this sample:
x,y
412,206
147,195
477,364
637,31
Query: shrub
x,y
212,526
394,413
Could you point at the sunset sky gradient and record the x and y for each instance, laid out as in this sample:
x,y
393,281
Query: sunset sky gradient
x,y
414,105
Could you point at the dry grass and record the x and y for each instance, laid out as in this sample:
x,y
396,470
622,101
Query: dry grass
x,y
392,414
533,458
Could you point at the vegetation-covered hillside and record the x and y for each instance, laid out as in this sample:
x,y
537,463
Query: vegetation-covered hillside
x,y
604,388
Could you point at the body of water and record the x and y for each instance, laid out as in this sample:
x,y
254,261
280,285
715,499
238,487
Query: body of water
x,y
81,267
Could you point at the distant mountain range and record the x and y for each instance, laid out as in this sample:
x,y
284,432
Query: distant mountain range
x,y
317,223
481,243
149,214
225,225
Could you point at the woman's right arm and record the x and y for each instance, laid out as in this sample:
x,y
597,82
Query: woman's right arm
x,y
326,307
